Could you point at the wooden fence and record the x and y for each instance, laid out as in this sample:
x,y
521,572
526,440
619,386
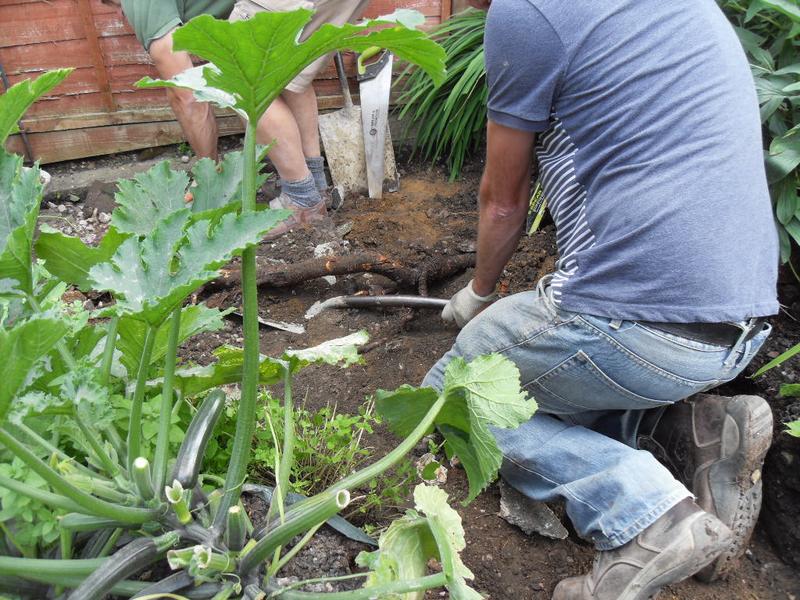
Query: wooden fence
x,y
97,110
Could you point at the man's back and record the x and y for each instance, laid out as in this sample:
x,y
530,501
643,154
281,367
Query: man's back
x,y
650,157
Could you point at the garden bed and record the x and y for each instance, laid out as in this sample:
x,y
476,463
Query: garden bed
x,y
429,218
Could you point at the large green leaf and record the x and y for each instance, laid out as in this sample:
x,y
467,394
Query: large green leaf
x,y
195,319
435,532
148,198
19,98
20,195
218,184
481,394
149,278
254,60
793,428
69,259
784,155
21,346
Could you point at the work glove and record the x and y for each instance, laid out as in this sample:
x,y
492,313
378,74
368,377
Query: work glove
x,y
465,305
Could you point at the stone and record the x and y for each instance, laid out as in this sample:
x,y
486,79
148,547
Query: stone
x,y
103,217
530,516
74,198
61,208
185,159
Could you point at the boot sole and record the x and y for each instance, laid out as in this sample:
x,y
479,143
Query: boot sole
x,y
746,438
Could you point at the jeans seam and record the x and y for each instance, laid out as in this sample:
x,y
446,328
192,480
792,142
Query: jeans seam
x,y
532,336
639,360
563,486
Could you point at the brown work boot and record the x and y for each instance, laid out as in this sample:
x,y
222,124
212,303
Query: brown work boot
x,y
675,547
300,215
716,447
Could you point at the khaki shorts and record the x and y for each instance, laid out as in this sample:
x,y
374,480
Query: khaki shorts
x,y
336,12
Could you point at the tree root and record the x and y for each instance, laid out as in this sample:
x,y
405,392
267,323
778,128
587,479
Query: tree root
x,y
408,273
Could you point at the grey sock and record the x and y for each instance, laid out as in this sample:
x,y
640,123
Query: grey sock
x,y
303,192
316,164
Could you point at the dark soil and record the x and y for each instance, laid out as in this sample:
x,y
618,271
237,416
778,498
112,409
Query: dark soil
x,y
429,216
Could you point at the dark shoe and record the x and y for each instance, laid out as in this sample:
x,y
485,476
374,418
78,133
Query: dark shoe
x,y
716,446
681,542
333,196
300,216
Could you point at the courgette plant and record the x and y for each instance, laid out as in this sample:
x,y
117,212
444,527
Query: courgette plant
x,y
124,503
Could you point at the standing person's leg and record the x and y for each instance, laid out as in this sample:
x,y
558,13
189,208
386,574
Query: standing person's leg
x,y
279,127
196,118
154,22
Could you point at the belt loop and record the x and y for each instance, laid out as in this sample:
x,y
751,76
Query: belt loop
x,y
730,360
615,324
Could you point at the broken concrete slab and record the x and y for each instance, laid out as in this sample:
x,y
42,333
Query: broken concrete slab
x,y
530,516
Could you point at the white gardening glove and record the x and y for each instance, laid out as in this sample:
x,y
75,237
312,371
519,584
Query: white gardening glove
x,y
465,305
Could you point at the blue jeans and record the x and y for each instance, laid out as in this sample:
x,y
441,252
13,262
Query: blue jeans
x,y
594,378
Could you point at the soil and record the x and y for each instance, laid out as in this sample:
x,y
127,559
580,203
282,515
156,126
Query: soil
x,y
430,215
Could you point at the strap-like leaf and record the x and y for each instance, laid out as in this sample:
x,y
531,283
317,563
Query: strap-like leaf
x,y
19,98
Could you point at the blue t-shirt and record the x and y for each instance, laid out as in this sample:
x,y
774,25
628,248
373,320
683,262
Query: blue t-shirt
x,y
649,152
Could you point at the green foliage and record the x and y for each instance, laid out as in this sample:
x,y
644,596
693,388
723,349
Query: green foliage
x,y
769,33
793,428
27,524
481,394
22,347
450,119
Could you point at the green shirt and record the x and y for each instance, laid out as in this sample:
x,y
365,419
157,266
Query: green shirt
x,y
152,19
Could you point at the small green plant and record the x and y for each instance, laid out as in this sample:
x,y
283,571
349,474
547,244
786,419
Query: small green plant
x,y
793,428
329,446
449,120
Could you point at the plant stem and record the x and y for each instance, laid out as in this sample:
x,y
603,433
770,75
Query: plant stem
x,y
110,543
48,498
287,457
87,503
379,591
299,518
135,421
359,478
113,469
23,567
246,416
108,350
165,415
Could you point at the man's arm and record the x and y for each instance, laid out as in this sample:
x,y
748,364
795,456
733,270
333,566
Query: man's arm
x,y
504,197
